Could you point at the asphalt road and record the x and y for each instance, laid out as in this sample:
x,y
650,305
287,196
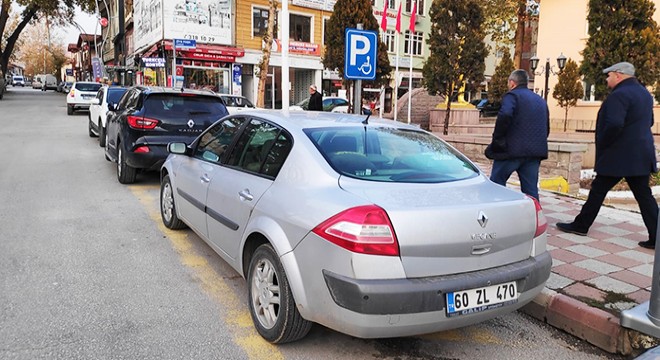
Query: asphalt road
x,y
88,271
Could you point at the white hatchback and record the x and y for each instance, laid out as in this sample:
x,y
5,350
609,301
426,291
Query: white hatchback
x,y
81,96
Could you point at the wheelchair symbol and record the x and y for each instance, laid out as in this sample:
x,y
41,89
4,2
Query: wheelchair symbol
x,y
366,65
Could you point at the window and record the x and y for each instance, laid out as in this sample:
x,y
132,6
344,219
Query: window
x,y
300,28
214,142
388,38
260,22
417,40
420,6
261,148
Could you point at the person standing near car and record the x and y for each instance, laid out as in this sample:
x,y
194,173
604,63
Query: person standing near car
x,y
624,150
315,99
520,138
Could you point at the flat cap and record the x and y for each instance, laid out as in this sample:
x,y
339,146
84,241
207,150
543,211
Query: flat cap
x,y
622,67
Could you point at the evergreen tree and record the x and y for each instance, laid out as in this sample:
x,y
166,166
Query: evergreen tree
x,y
569,89
656,93
457,48
499,83
621,30
347,14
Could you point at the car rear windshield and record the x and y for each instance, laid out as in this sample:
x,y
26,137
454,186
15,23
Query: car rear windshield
x,y
184,106
114,95
237,101
88,87
390,155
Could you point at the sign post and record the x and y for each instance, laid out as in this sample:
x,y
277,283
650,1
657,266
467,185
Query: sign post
x,y
360,60
182,44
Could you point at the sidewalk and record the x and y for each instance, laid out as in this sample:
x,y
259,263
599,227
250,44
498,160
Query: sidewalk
x,y
594,277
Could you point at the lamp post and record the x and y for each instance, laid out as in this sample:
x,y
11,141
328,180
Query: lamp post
x,y
547,69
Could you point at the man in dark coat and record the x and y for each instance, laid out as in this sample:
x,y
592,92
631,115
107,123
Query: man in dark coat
x,y
315,99
520,138
624,149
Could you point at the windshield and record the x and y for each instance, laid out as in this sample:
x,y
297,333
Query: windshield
x,y
88,87
237,101
115,94
390,155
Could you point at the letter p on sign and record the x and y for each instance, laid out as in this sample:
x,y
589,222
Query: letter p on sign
x,y
361,54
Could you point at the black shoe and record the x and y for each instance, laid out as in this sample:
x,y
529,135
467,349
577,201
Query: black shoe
x,y
570,228
647,244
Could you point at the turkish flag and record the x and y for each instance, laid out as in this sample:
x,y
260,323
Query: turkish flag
x,y
398,20
383,20
413,14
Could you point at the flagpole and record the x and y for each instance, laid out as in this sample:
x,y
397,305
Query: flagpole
x,y
411,28
395,96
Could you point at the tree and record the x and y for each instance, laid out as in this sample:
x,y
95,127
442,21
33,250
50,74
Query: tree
x,y
266,47
457,48
347,14
621,30
499,84
59,13
569,89
38,56
656,92
506,20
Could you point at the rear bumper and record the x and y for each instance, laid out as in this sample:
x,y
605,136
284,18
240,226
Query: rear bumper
x,y
406,296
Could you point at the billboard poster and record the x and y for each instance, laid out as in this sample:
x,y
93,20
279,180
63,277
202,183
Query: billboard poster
x,y
148,18
237,83
207,21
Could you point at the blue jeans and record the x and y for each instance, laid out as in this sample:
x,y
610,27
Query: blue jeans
x,y
527,169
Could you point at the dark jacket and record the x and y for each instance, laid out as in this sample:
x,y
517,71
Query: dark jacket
x,y
624,142
315,102
522,126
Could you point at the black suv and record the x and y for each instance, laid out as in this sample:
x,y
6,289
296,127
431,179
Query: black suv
x,y
146,119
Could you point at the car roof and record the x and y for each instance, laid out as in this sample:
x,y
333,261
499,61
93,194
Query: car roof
x,y
167,90
319,119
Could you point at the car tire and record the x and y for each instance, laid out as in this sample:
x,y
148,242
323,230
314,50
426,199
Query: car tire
x,y
69,110
101,135
272,307
90,131
125,173
168,207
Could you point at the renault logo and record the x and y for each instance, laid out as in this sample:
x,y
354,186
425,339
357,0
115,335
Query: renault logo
x,y
191,123
482,219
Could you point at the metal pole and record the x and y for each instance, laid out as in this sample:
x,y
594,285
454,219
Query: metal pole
x,y
286,85
547,76
357,90
645,317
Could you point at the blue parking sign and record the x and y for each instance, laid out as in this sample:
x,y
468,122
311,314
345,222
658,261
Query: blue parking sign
x,y
361,54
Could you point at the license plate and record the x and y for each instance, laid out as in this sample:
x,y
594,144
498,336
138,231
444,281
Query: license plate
x,y
87,97
480,299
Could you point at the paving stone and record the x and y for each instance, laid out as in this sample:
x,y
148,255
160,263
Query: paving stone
x,y
614,230
607,247
621,305
626,243
559,242
550,247
620,261
554,208
557,262
561,217
631,227
584,291
575,273
566,256
632,278
597,266
587,251
599,235
640,296
557,282
645,269
575,238
608,284
637,255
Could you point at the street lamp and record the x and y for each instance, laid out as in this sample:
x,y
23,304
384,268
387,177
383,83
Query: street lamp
x,y
534,63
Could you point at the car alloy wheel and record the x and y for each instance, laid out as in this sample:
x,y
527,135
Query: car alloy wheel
x,y
102,135
272,307
125,173
167,207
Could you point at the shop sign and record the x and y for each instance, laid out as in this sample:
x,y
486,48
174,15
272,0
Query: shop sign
x,y
205,56
153,62
299,47
97,68
326,5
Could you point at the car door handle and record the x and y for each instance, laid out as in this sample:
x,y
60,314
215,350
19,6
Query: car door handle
x,y
245,195
481,249
205,178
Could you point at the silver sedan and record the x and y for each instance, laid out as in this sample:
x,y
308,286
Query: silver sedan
x,y
370,227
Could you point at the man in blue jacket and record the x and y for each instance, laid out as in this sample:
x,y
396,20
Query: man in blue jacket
x,y
520,138
624,149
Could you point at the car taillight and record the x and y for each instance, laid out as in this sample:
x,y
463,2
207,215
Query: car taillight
x,y
141,123
71,93
363,229
541,221
141,149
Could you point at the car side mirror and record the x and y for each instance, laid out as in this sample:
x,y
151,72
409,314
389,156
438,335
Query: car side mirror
x,y
96,101
112,107
177,148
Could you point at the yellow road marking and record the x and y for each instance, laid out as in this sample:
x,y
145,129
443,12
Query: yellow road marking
x,y
213,284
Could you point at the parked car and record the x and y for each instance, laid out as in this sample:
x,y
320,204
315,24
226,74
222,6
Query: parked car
x,y
489,108
236,103
81,95
98,110
67,87
17,80
330,103
148,118
45,82
375,229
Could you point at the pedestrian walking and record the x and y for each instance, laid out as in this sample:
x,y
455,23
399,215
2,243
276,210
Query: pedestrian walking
x,y
520,137
315,99
624,150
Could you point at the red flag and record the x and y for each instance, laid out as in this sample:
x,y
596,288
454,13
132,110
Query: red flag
x,y
398,20
413,14
383,20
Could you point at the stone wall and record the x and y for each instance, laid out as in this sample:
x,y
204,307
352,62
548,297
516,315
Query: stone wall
x,y
422,105
564,159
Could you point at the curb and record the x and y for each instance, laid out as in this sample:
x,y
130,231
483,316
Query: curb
x,y
596,326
